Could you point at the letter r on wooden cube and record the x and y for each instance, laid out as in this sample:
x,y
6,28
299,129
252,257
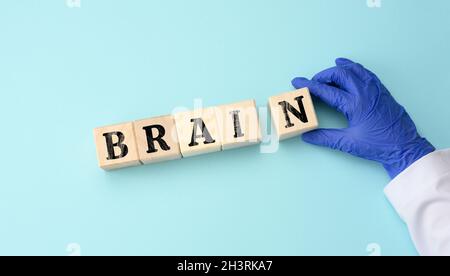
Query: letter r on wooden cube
x,y
157,139
293,113
116,146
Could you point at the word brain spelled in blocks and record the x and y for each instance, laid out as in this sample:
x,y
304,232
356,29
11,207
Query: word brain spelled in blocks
x,y
201,131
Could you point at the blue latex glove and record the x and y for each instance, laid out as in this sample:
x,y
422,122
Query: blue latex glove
x,y
379,128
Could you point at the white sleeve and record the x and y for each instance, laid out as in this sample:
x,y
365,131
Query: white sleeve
x,y
421,196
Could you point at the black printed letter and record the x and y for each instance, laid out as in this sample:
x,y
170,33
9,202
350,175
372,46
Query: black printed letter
x,y
198,123
301,115
237,124
110,145
151,140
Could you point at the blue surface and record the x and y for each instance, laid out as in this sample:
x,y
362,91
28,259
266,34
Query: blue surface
x,y
64,71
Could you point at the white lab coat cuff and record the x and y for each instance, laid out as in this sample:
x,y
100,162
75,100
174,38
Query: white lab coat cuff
x,y
416,180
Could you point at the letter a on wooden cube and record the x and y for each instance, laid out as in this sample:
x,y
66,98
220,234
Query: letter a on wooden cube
x,y
157,139
116,146
293,113
198,132
238,124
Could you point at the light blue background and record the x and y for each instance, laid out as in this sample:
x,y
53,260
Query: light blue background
x,y
65,71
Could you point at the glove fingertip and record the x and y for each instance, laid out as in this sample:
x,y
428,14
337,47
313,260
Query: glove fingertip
x,y
310,137
300,82
343,61
324,137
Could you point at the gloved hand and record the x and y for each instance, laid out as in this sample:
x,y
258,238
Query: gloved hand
x,y
379,128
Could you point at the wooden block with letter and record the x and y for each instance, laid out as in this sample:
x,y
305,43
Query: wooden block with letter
x,y
198,132
157,139
116,146
238,124
293,113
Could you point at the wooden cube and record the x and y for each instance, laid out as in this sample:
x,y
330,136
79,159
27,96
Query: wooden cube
x,y
293,113
238,124
157,139
116,146
198,132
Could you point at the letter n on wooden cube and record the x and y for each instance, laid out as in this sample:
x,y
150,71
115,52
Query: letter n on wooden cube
x,y
116,146
293,113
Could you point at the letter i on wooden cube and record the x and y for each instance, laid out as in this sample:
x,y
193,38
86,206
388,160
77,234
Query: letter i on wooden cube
x,y
293,113
198,132
116,146
157,139
238,124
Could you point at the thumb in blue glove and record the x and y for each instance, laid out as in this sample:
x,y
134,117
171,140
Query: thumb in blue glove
x,y
379,128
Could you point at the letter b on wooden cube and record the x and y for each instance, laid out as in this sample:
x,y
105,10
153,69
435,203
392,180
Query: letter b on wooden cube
x,y
116,146
293,113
